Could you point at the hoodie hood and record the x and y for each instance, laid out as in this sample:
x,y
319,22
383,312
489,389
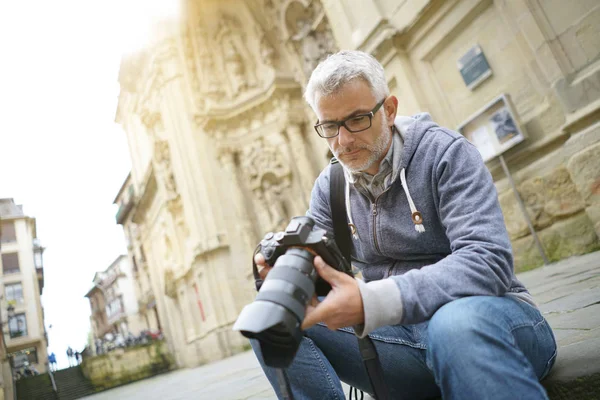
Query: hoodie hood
x,y
412,129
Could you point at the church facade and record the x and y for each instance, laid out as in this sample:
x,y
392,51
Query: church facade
x,y
223,149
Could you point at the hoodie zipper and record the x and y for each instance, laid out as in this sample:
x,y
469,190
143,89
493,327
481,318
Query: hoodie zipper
x,y
374,213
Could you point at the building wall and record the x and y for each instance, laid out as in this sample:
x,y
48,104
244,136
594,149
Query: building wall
x,y
114,301
223,149
544,58
123,366
27,276
126,285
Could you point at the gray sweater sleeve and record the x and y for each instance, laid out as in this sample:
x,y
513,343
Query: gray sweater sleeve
x,y
480,262
376,297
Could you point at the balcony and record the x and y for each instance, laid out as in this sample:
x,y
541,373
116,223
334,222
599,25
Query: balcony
x,y
124,210
116,316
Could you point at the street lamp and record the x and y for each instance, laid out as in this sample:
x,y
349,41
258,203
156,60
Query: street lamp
x,y
10,312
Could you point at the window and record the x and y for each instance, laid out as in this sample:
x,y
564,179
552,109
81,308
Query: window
x,y
17,326
8,233
14,292
115,307
10,263
26,355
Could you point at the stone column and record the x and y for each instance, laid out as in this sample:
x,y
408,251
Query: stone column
x,y
242,222
298,147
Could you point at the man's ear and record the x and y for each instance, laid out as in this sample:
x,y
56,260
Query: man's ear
x,y
391,108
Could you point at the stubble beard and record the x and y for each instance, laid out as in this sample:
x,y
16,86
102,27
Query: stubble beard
x,y
377,150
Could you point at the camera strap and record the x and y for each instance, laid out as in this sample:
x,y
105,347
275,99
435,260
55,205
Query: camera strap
x,y
341,231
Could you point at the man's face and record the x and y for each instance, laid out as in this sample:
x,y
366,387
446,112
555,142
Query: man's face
x,y
358,151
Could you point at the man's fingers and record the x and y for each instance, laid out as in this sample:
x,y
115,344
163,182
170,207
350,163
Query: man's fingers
x,y
326,272
259,259
263,268
316,315
264,271
314,301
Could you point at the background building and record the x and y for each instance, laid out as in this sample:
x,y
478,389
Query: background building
x,y
223,149
21,284
113,301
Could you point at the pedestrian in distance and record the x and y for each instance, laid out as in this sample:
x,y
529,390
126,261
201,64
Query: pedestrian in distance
x,y
70,356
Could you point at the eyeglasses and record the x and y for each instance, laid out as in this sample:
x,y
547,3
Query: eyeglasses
x,y
356,123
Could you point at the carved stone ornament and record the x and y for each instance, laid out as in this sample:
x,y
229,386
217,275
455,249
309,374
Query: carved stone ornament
x,y
267,51
162,158
309,31
238,64
211,79
259,158
269,178
153,123
170,284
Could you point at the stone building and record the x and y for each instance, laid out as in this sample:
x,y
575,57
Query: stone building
x,y
223,149
114,302
23,335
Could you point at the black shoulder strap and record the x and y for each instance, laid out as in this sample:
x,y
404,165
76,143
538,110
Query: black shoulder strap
x,y
341,231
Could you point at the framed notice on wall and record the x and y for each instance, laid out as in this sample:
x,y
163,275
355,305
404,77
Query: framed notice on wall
x,y
493,129
474,67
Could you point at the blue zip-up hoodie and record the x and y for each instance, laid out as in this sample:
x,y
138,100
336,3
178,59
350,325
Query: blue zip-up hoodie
x,y
463,249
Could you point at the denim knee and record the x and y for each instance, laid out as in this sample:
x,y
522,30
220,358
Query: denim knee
x,y
455,325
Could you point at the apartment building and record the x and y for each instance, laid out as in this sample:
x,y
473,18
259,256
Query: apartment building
x,y
113,302
21,284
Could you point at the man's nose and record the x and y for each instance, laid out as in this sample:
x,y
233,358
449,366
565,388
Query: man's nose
x,y
345,137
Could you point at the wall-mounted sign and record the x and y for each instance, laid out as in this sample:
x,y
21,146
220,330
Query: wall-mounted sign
x,y
473,67
493,129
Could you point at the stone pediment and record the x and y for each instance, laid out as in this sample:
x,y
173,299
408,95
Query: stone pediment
x,y
237,119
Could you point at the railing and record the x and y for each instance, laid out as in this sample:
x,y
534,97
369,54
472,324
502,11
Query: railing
x,y
14,383
51,377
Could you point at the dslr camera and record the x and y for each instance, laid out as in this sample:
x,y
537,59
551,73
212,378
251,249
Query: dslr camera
x,y
274,318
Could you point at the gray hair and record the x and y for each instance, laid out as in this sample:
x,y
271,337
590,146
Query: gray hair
x,y
341,68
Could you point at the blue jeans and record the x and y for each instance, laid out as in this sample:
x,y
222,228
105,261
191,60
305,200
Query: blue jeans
x,y
473,348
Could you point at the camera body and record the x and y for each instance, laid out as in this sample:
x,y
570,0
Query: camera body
x,y
276,315
301,233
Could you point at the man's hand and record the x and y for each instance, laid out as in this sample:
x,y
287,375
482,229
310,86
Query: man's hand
x,y
263,268
343,305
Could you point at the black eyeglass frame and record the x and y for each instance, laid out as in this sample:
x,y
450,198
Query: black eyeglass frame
x,y
339,124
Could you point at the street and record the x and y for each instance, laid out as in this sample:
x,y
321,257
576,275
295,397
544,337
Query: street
x,y
566,292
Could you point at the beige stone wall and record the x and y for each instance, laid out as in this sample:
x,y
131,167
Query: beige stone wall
x,y
222,152
122,366
544,57
223,149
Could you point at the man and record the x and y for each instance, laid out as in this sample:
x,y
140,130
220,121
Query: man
x,y
70,356
441,301
52,361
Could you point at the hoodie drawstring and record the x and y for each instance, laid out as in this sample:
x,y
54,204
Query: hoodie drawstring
x,y
348,213
417,218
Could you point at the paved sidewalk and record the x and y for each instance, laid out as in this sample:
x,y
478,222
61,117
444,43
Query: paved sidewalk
x,y
567,292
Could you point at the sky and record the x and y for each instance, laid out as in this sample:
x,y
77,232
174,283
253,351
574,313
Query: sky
x,y
62,156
